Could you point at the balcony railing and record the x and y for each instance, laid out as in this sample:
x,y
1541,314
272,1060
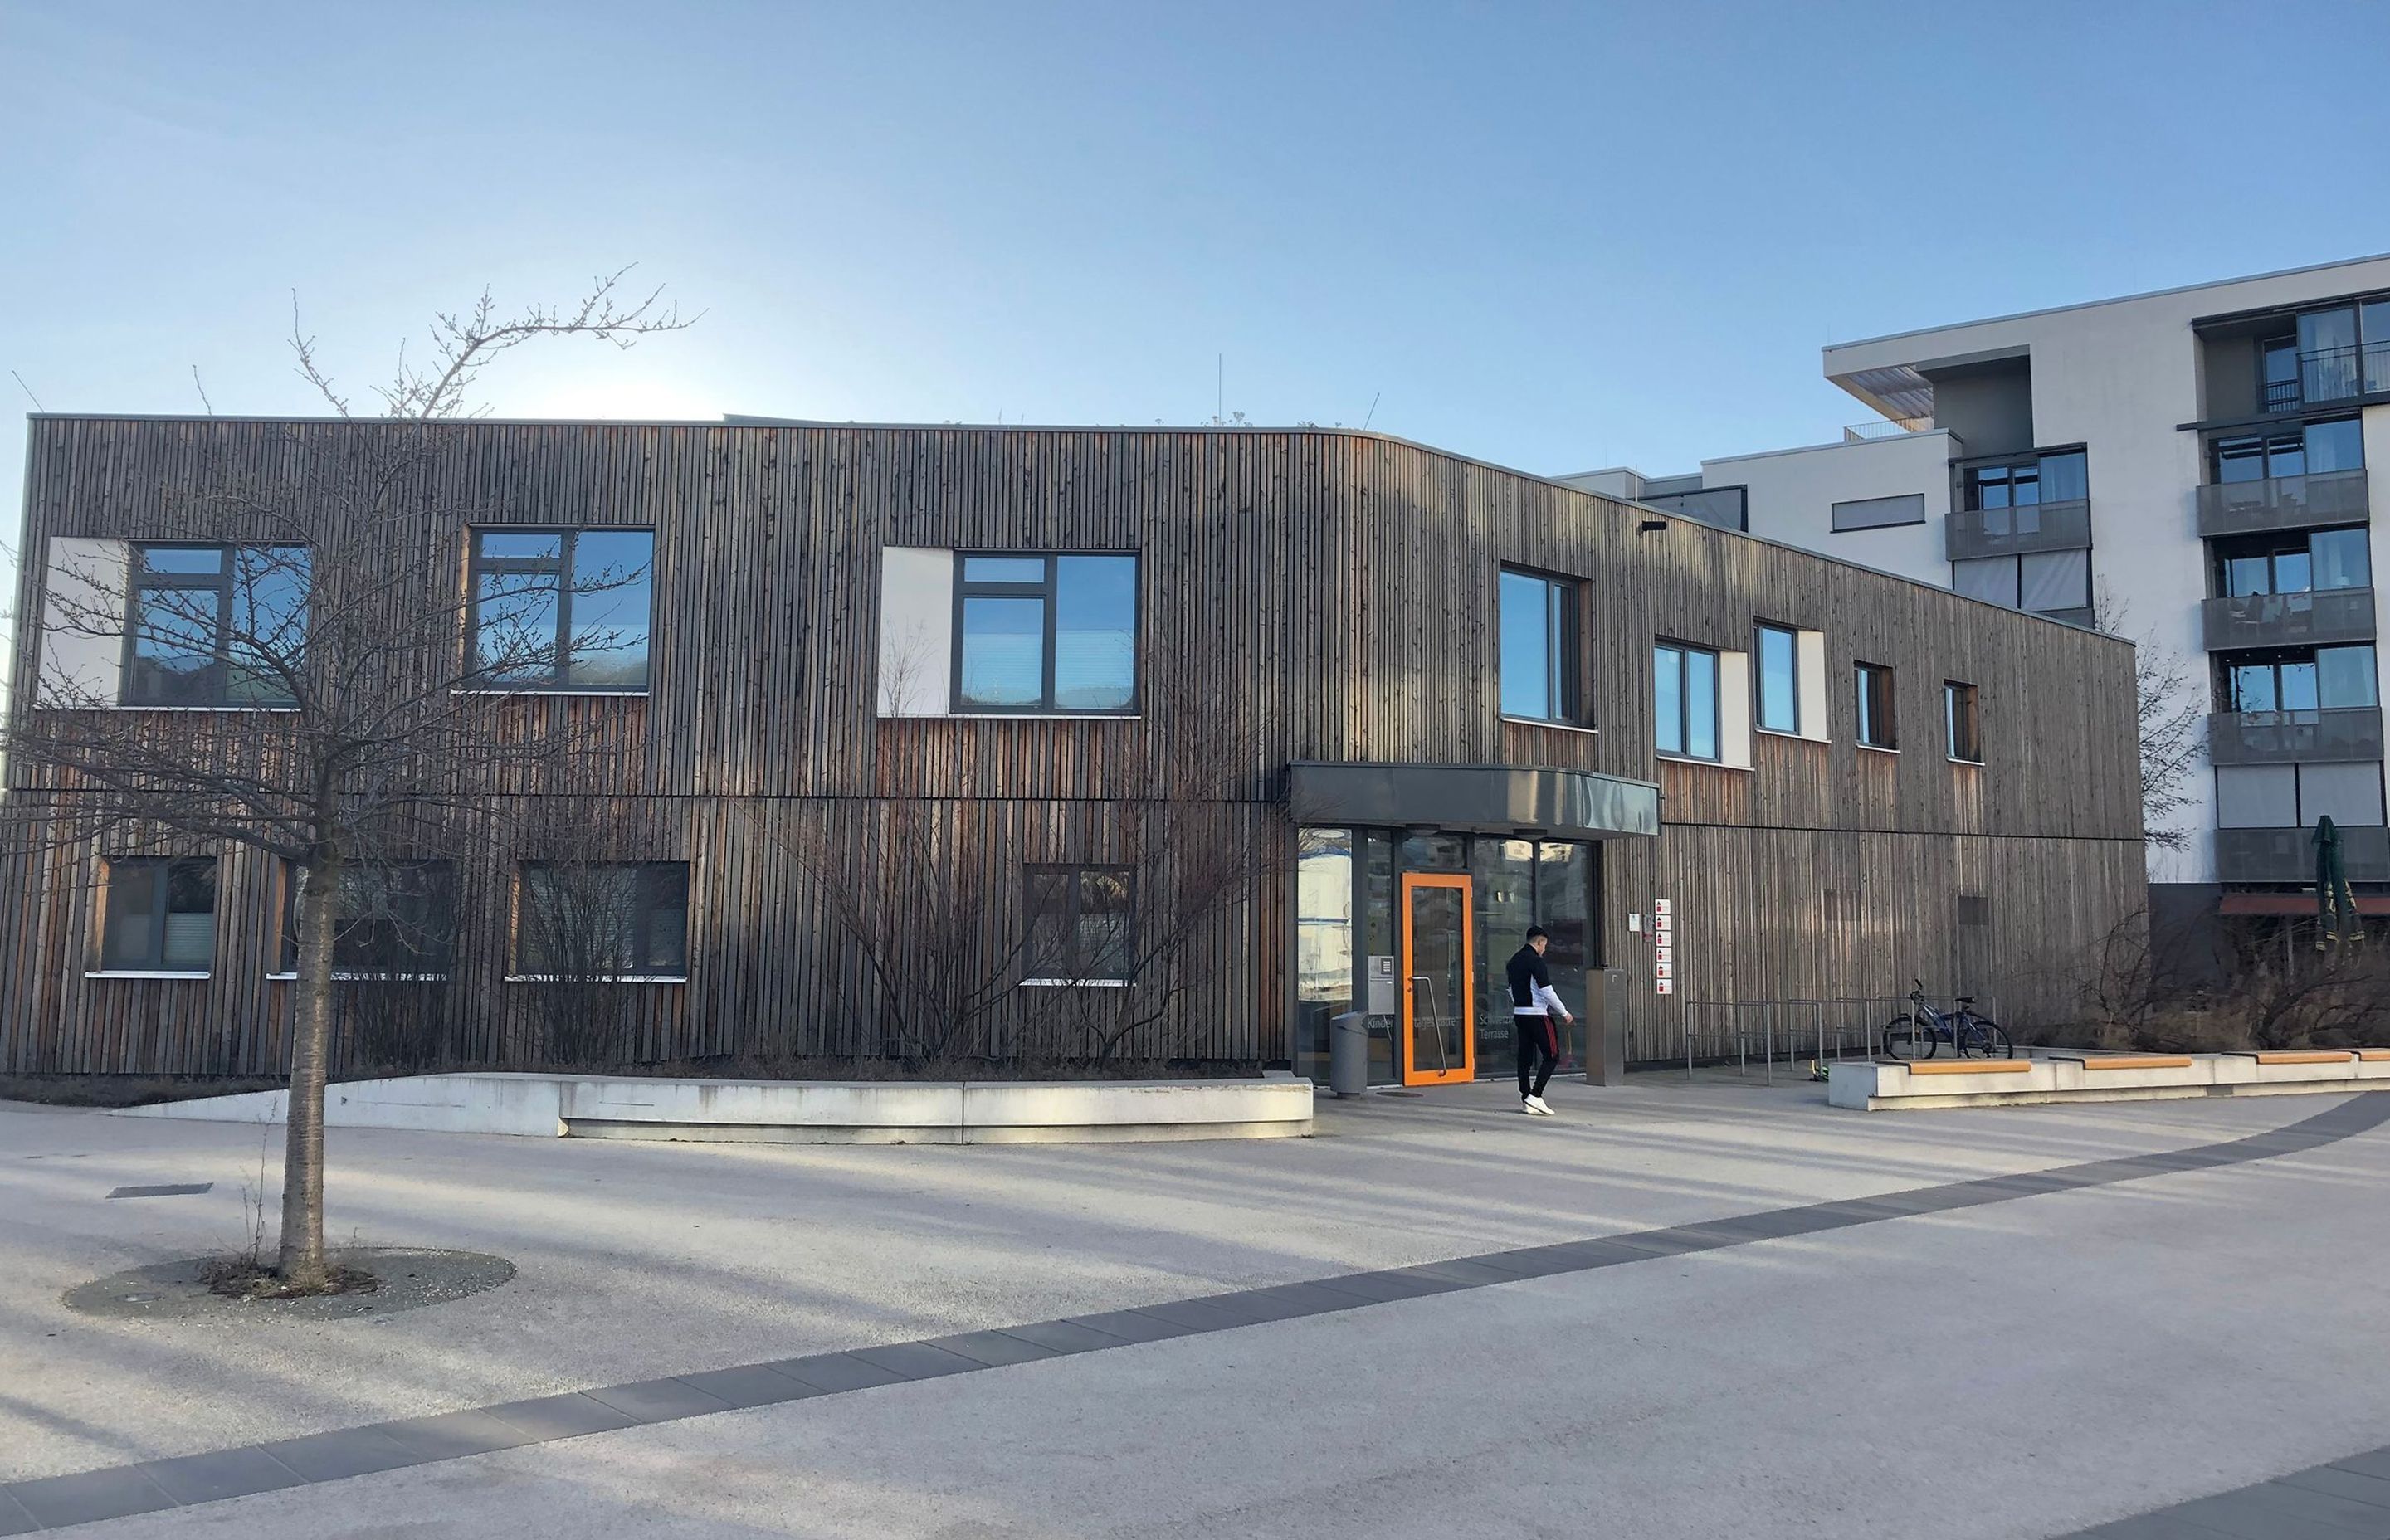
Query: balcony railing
x,y
2336,735
2282,503
2328,375
1885,427
2288,855
2318,619
1968,532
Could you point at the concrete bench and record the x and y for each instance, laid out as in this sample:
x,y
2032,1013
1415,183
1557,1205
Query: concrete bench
x,y
2294,1056
1972,1067
2126,1061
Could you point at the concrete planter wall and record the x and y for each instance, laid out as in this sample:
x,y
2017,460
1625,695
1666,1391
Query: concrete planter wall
x,y
622,1107
2100,1077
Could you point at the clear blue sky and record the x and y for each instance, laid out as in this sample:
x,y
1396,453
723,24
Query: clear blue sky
x,y
1554,236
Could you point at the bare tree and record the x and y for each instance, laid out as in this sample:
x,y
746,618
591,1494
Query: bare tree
x,y
315,575
951,927
2170,710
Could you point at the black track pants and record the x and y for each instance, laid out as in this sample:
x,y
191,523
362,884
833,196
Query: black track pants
x,y
1535,1055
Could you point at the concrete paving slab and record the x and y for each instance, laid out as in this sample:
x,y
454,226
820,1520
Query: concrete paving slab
x,y
2345,1483
749,1385
567,1416
343,1453
448,1435
2373,1463
658,1400
836,1373
995,1348
56,1501
917,1360
226,1474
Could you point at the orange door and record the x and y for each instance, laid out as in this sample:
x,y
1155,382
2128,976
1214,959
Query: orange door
x,y
1439,1044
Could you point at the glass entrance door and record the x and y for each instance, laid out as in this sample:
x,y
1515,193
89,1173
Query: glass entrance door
x,y
1438,1045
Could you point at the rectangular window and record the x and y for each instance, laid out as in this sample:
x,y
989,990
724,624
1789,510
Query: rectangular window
x,y
214,625
2292,563
396,919
2302,680
2328,361
1877,728
1045,633
1960,729
562,610
1079,926
160,915
602,919
1779,680
1685,700
1992,579
1876,513
2053,580
1539,648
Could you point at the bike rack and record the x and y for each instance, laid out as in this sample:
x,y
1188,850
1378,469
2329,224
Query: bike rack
x,y
1800,1022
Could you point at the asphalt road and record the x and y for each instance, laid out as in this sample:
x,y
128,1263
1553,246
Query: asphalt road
x,y
2026,1368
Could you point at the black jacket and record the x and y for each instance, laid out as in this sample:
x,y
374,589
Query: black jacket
x,y
1526,971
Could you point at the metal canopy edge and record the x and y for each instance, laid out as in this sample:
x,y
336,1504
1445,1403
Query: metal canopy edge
x,y
1498,799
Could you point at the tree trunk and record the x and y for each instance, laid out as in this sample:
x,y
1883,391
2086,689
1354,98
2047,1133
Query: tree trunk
x,y
300,1263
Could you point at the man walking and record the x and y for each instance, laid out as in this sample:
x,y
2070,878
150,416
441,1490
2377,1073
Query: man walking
x,y
1533,1006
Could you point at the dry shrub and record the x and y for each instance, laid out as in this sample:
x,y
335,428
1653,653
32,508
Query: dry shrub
x,y
2206,989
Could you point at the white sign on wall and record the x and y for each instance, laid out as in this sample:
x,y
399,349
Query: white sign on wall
x,y
1663,947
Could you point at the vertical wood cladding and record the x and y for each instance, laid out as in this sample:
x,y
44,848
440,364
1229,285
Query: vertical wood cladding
x,y
1304,594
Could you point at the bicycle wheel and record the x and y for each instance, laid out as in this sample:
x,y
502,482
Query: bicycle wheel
x,y
1987,1039
1906,1037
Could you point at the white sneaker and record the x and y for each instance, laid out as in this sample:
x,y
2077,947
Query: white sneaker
x,y
1538,1106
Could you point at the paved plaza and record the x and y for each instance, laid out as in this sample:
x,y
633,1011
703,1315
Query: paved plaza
x,y
1687,1311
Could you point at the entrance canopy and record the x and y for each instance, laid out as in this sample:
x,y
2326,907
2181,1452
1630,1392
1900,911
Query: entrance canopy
x,y
1490,798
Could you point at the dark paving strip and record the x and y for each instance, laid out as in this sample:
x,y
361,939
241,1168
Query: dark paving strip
x,y
2346,1500
2307,1503
171,1189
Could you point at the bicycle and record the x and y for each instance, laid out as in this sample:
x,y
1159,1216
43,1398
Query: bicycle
x,y
1923,1030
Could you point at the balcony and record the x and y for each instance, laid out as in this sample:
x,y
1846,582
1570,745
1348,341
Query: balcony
x,y
2288,855
1967,534
2328,375
2282,503
2318,619
2330,737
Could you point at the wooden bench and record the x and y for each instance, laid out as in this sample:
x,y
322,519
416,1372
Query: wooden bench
x,y
2296,1056
2372,1055
2128,1060
1974,1067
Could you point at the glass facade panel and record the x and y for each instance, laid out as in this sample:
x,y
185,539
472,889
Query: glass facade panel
x,y
612,587
1005,569
1668,699
2374,324
1701,704
1992,579
2342,559
1325,961
130,939
2350,794
2250,687
1526,671
2054,580
2297,686
2335,446
1564,874
1004,652
1503,884
2065,478
1381,938
516,617
174,636
2345,677
1094,632
2328,365
1779,676
2256,796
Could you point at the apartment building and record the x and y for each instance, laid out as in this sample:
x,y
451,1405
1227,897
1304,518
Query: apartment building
x,y
2194,468
1437,701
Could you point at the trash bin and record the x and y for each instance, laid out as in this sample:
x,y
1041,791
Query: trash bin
x,y
1348,1053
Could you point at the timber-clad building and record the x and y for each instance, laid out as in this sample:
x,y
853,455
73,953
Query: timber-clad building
x,y
1157,745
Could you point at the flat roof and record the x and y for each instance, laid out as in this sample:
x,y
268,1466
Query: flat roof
x,y
2118,300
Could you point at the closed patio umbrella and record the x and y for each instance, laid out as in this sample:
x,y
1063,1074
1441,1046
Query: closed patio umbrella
x,y
2336,906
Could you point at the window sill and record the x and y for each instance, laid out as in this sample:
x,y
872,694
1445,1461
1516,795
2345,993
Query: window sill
x,y
1033,716
1556,727
1794,738
639,694
1074,984
1970,764
377,978
145,706
147,973
1874,749
609,979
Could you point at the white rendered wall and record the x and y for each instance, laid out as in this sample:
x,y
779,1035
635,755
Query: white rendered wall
x,y
82,664
2120,378
917,630
1794,492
